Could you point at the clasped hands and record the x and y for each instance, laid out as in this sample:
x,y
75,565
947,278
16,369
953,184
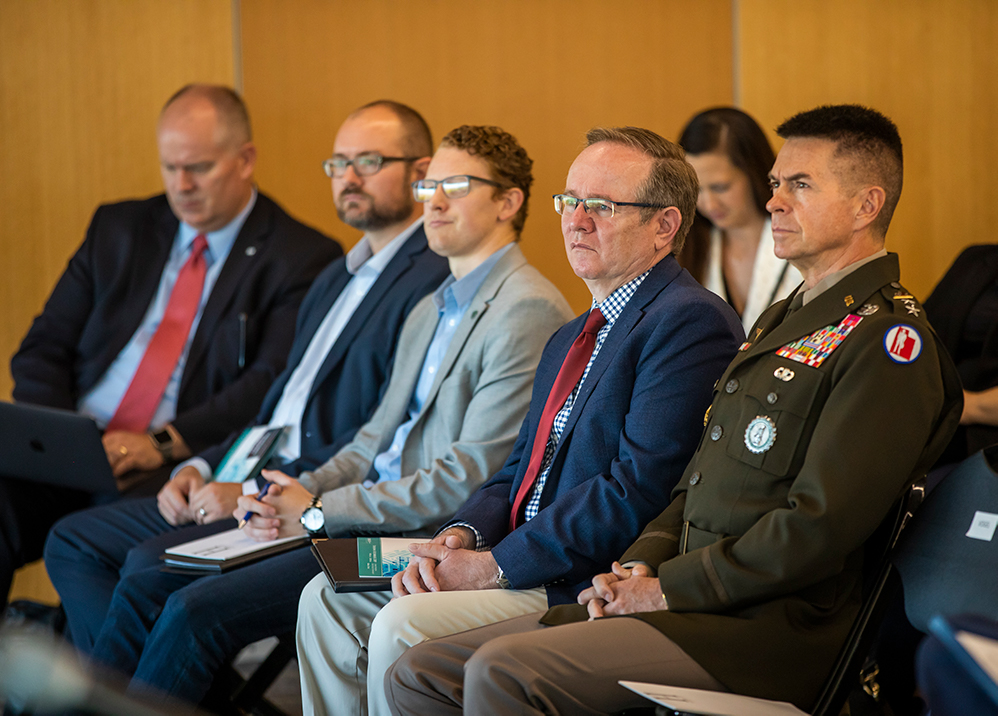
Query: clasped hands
x,y
448,562
186,498
623,591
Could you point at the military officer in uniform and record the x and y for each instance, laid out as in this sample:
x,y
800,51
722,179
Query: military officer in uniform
x,y
749,581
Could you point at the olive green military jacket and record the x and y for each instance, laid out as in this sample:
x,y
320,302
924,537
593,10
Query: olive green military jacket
x,y
820,423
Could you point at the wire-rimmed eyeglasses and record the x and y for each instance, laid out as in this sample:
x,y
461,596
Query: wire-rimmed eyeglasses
x,y
453,187
603,208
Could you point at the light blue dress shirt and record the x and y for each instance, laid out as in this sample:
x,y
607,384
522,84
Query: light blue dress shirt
x,y
452,299
101,401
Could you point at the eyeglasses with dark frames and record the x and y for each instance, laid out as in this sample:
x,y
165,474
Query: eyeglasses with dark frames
x,y
603,208
366,164
453,187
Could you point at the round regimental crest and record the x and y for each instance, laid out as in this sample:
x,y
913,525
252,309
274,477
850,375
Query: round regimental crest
x,y
760,434
903,344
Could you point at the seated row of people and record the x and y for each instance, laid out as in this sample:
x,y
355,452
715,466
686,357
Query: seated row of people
x,y
537,452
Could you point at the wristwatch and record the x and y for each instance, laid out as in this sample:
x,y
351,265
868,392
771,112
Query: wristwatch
x,y
164,440
501,580
312,518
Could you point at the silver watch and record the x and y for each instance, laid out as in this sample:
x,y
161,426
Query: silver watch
x,y
312,518
501,580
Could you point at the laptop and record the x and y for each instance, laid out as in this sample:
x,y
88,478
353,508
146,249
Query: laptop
x,y
55,447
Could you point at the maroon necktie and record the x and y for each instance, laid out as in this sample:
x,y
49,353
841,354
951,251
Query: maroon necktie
x,y
138,406
568,377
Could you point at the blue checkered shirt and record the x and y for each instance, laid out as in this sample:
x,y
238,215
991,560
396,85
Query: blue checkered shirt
x,y
611,308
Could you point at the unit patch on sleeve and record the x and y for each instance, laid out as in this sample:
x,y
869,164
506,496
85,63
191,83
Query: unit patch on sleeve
x,y
903,344
813,349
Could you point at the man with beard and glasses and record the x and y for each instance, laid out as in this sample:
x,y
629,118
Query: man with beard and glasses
x,y
458,391
338,365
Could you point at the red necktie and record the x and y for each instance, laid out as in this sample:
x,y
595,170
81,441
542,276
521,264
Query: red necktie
x,y
568,377
137,407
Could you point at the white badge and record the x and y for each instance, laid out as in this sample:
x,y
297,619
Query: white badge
x,y
760,434
983,526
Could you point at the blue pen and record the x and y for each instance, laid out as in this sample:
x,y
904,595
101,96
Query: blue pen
x,y
246,518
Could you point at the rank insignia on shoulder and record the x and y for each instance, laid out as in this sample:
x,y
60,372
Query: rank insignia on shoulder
x,y
909,303
813,349
903,344
867,309
760,434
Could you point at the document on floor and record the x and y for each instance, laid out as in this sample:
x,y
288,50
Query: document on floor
x,y
710,703
225,550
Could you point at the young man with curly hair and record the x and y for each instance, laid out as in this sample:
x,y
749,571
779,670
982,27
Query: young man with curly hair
x,y
459,388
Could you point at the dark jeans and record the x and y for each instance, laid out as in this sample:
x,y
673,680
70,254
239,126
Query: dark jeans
x,y
29,509
168,631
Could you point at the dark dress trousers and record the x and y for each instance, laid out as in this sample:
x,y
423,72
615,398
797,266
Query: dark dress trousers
x,y
98,304
87,553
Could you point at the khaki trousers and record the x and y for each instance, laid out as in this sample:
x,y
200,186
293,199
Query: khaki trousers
x,y
347,642
521,667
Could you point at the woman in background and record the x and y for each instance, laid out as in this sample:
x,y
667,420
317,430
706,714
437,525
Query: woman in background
x,y
730,247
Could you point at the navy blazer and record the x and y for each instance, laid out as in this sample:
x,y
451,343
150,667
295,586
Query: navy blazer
x,y
633,428
101,298
348,386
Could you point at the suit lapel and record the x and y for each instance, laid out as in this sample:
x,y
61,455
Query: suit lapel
x,y
395,269
317,314
509,263
244,253
406,372
146,262
660,277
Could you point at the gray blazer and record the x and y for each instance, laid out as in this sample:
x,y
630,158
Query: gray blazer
x,y
470,419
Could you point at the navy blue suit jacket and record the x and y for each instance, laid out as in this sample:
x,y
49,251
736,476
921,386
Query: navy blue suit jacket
x,y
100,300
348,386
633,428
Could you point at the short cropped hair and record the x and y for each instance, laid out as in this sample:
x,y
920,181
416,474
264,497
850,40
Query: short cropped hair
x,y
508,161
227,103
417,140
867,140
671,181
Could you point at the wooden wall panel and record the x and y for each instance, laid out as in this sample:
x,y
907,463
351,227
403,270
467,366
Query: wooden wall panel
x,y
81,85
545,71
931,66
